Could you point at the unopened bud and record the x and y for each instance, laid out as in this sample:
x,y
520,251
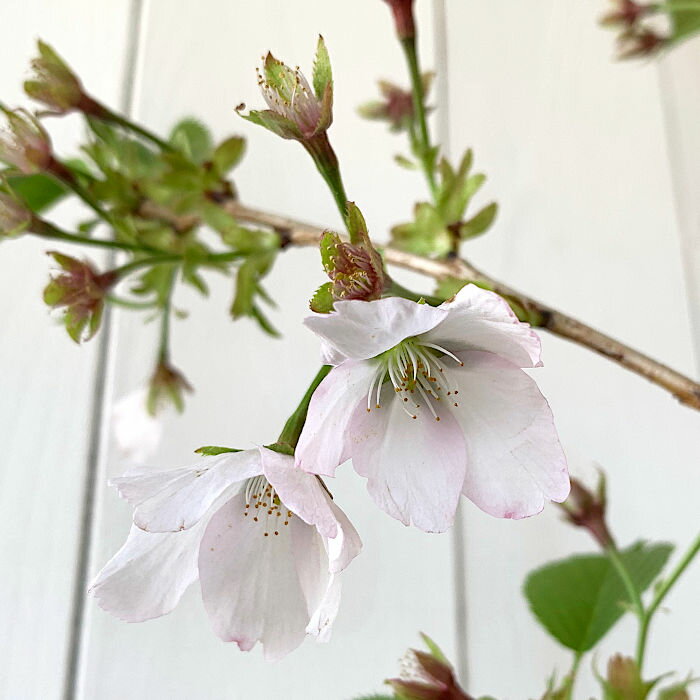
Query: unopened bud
x,y
624,679
53,83
586,509
80,290
639,44
24,142
167,386
403,18
14,216
396,107
625,13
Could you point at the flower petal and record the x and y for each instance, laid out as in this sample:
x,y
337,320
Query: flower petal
x,y
415,467
346,545
176,499
300,492
516,462
250,586
481,320
148,575
323,442
363,329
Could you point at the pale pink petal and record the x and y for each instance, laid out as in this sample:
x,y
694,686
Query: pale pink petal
x,y
323,617
363,329
250,586
481,320
346,545
302,493
516,462
415,467
176,499
323,442
148,575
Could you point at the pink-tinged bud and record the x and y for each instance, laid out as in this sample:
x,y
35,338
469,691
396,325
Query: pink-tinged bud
x,y
80,290
625,13
14,216
167,386
403,18
24,142
53,83
639,44
586,509
423,676
396,107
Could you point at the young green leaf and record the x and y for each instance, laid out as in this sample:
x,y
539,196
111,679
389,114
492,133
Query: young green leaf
x,y
479,223
193,139
579,599
38,191
228,154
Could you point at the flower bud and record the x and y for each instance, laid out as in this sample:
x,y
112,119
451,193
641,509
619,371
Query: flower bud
x,y
625,13
167,386
624,679
639,44
403,18
586,509
423,676
53,82
81,291
14,216
24,143
396,107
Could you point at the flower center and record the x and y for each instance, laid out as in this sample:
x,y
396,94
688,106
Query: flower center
x,y
265,506
417,373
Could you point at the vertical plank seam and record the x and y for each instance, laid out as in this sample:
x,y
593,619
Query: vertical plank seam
x,y
678,170
98,429
458,541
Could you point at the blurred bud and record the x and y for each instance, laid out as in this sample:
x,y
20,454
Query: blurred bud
x,y
624,680
296,109
53,82
24,142
81,291
396,108
403,18
586,509
167,386
639,44
426,676
625,13
14,216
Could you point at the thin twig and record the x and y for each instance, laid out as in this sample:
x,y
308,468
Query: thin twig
x,y
683,388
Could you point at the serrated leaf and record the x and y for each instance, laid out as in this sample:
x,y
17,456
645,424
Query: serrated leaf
x,y
322,75
193,139
228,154
479,223
38,191
213,450
578,600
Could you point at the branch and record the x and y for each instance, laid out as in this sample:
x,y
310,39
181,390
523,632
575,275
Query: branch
x,y
683,388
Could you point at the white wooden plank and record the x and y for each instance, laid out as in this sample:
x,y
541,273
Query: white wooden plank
x,y
203,62
46,383
575,150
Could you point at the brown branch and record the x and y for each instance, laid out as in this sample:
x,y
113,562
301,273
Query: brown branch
x,y
683,388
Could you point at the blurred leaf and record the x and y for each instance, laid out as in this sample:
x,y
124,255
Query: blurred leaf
x,y
193,139
434,649
580,598
237,237
228,154
448,287
405,162
685,19
426,235
39,191
212,450
479,223
248,287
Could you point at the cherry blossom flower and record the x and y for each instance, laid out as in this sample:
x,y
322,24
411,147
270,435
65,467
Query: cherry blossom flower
x,y
430,402
264,539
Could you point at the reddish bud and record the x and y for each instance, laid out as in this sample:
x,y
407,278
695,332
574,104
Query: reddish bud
x,y
396,107
638,44
626,13
24,142
586,509
403,18
81,291
167,385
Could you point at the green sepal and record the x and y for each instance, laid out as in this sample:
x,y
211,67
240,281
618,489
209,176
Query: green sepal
x,y
228,154
328,247
280,77
322,300
273,122
213,450
322,74
434,649
479,223
192,139
357,226
578,599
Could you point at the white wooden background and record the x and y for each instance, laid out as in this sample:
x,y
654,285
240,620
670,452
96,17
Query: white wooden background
x,y
595,165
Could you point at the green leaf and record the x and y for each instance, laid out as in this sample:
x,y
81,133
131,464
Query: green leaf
x,y
580,598
228,154
479,223
213,450
685,19
405,162
193,139
38,191
322,76
248,287
427,235
322,300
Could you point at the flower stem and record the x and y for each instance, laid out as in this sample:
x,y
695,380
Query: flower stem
x,y
44,229
105,114
571,680
422,135
661,593
164,345
635,598
292,428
